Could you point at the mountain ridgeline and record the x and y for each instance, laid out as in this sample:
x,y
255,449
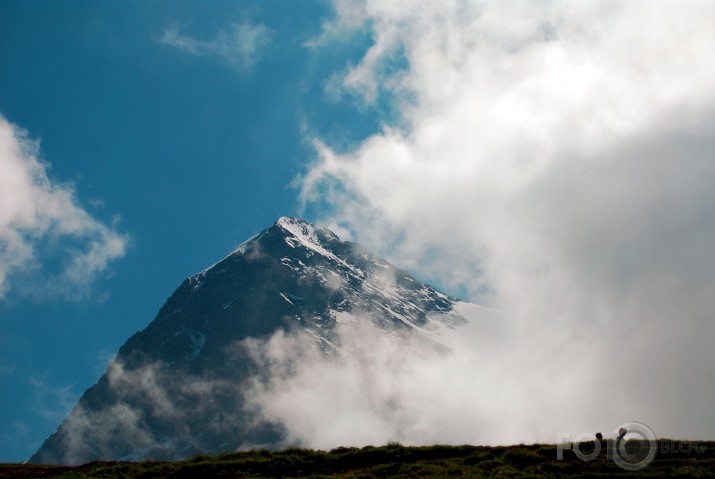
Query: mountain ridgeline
x,y
177,387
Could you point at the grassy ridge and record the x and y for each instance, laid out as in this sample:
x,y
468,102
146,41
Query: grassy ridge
x,y
392,460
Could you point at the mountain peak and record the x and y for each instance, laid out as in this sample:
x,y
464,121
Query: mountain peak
x,y
181,378
294,232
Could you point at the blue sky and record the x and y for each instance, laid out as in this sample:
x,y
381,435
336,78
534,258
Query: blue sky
x,y
187,151
552,160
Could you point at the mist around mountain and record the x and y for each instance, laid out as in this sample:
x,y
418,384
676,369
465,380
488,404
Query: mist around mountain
x,y
296,338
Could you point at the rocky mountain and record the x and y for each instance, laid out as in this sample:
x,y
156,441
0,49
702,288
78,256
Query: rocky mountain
x,y
176,387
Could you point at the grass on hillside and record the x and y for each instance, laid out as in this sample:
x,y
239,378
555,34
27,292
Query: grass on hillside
x,y
392,461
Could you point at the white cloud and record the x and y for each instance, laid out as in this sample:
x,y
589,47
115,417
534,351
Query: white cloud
x,y
556,161
240,46
35,213
383,388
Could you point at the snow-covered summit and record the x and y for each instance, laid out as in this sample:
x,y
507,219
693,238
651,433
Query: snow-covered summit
x,y
296,233
308,234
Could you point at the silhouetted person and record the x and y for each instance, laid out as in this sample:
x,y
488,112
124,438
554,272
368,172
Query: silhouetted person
x,y
599,436
622,432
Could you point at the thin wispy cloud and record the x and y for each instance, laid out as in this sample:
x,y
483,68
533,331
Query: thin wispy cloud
x,y
350,17
53,402
43,222
241,45
139,399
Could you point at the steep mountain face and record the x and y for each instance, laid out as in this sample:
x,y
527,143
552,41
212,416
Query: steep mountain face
x,y
175,388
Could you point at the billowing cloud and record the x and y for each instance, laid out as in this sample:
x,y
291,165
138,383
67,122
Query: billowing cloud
x,y
381,388
553,160
239,46
37,215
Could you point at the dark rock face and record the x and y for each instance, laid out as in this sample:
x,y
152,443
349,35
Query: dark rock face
x,y
175,388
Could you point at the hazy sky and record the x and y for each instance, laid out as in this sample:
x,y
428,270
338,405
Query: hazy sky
x,y
550,159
